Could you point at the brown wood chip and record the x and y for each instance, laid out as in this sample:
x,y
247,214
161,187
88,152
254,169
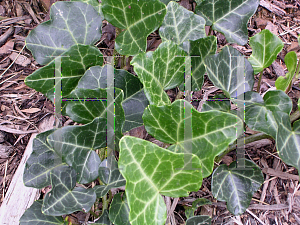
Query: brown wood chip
x,y
280,174
14,131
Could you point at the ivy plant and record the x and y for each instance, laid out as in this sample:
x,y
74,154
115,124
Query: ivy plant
x,y
76,161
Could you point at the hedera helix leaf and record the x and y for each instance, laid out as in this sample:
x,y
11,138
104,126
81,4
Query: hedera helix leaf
x,y
150,171
134,102
236,185
212,131
265,48
110,175
199,220
229,17
119,210
103,219
138,18
218,102
74,63
34,215
189,211
76,145
94,3
64,197
290,59
260,111
41,161
181,25
160,70
71,23
226,69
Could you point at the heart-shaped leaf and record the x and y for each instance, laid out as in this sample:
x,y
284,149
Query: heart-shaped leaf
x,y
229,17
236,185
225,70
76,145
199,220
64,198
199,50
110,175
74,63
41,161
189,211
134,102
181,25
150,171
265,48
290,59
212,131
119,210
259,115
160,70
138,18
71,23
103,219
34,215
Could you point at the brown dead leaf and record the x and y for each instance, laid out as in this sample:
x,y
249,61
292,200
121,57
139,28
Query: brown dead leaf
x,y
31,110
271,27
22,60
6,49
293,47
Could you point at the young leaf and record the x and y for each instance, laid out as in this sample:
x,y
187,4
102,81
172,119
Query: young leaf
x,y
134,102
265,48
229,17
74,63
150,171
138,18
236,185
223,70
199,220
290,59
160,70
212,131
64,198
71,23
110,175
76,145
119,210
181,24
34,215
41,161
189,211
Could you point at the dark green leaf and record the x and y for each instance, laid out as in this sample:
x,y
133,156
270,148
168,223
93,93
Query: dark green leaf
x,y
189,211
74,63
150,171
236,185
103,219
265,48
34,215
119,210
218,102
181,25
71,23
64,198
41,161
138,18
229,17
199,220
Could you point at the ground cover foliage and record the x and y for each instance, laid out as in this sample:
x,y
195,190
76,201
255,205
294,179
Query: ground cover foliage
x,y
71,157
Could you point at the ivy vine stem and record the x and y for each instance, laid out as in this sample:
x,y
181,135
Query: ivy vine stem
x,y
259,81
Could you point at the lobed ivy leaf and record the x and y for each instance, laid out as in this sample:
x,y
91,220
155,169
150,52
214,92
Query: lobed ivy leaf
x,y
265,48
74,63
150,171
63,197
229,17
110,175
160,70
181,25
199,220
212,131
259,112
40,163
134,102
290,59
71,23
223,70
76,145
189,211
119,210
138,18
103,219
236,185
34,215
